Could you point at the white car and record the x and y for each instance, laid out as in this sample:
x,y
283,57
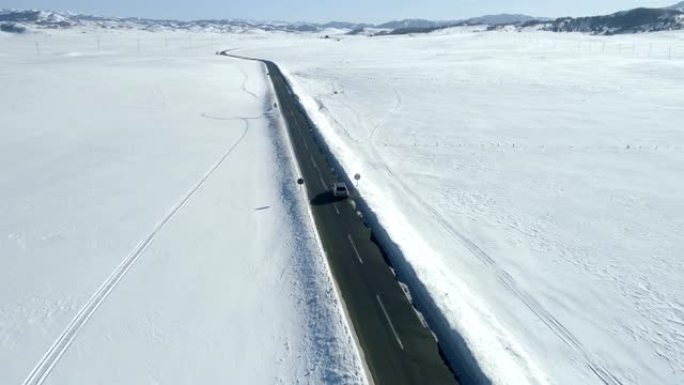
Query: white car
x,y
340,190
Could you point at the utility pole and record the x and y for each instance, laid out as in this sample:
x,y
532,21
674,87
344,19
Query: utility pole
x,y
37,49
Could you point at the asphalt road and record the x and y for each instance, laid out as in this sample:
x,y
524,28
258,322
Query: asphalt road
x,y
396,347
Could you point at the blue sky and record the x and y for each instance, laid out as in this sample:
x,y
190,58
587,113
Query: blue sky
x,y
327,10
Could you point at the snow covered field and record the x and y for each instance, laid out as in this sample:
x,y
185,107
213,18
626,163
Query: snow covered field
x,y
150,231
532,180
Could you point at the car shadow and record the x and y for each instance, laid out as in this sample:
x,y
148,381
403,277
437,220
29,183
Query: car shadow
x,y
325,198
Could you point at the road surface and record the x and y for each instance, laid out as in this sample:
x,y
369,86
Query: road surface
x,y
397,348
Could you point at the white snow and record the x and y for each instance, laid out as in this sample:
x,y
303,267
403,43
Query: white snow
x,y
150,231
533,182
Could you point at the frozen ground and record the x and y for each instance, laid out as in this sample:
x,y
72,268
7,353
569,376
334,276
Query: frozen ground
x,y
149,230
532,180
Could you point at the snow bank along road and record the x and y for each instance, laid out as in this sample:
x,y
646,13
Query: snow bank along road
x,y
150,229
397,346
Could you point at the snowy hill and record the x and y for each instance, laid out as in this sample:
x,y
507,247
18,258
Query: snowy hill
x,y
631,21
678,6
410,23
410,26
628,21
503,18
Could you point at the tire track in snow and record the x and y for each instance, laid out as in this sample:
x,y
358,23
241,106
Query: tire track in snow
x,y
244,82
59,347
508,282
207,116
394,109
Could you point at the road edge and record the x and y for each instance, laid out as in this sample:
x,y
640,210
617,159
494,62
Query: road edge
x,y
453,348
367,375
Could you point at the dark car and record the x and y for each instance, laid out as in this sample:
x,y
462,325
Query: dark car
x,y
340,190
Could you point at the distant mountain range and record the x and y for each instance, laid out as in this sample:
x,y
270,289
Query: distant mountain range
x,y
35,19
410,26
630,21
678,6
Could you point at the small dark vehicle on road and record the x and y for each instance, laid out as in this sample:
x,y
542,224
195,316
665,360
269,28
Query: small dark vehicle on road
x,y
340,190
